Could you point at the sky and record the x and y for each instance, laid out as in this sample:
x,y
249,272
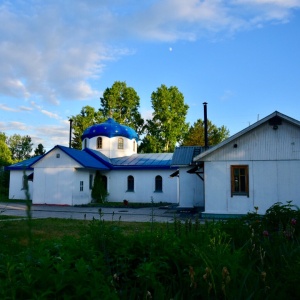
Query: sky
x,y
242,57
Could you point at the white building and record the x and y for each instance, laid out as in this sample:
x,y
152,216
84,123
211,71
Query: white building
x,y
256,167
64,176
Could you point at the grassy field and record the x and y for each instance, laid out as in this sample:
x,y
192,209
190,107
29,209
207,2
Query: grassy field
x,y
256,257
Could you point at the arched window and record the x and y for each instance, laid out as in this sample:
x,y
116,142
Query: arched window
x,y
104,182
130,183
133,146
158,183
99,143
120,143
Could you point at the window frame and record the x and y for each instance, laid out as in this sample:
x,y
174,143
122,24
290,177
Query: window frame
x,y
120,143
25,184
158,184
99,143
240,192
91,181
130,183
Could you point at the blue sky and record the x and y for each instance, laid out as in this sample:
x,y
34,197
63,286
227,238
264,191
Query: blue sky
x,y
239,56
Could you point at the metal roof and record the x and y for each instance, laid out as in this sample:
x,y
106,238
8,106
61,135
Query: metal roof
x,y
143,161
109,128
93,159
25,164
84,158
183,156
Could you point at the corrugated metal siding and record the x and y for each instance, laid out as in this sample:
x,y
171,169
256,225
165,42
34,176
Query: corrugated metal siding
x,y
148,159
262,143
183,156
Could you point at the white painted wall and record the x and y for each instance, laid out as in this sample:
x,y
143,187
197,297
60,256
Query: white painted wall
x,y
191,189
269,182
144,186
16,190
110,146
57,181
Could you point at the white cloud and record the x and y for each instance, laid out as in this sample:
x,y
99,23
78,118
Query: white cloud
x,y
52,49
17,126
50,114
5,107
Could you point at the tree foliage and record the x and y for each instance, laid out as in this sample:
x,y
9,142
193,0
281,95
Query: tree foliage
x,y
121,103
5,153
168,125
99,191
39,150
20,147
196,135
87,117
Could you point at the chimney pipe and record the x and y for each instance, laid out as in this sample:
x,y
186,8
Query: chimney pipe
x,y
205,126
70,137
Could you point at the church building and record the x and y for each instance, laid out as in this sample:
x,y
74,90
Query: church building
x,y
65,176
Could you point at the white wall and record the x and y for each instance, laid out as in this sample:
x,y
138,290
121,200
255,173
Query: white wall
x,y
57,181
269,182
144,186
110,146
191,190
16,190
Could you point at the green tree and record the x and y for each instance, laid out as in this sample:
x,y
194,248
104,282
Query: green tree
x,y
20,147
88,116
195,135
121,103
39,150
168,125
5,153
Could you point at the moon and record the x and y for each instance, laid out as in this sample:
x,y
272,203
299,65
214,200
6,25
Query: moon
x,y
170,49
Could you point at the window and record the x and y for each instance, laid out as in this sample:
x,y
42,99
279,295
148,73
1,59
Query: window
x,y
57,155
158,183
133,146
81,186
130,184
91,181
85,143
120,143
239,180
99,143
25,182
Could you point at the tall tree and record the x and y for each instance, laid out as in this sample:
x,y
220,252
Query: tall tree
x,y
121,103
88,116
195,135
168,125
39,150
5,153
20,147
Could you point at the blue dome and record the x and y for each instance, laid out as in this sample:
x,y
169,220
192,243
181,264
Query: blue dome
x,y
109,128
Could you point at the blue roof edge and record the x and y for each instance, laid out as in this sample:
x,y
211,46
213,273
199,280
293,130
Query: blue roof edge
x,y
107,164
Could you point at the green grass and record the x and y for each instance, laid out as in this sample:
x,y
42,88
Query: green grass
x,y
250,258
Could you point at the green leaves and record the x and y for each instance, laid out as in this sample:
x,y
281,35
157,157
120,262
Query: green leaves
x,y
168,125
195,135
122,103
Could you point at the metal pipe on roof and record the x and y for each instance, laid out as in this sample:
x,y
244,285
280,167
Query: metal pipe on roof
x,y
70,136
205,126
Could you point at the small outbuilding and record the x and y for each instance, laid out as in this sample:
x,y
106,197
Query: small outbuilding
x,y
254,168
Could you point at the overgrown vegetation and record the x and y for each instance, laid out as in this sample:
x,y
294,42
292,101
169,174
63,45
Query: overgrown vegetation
x,y
256,257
